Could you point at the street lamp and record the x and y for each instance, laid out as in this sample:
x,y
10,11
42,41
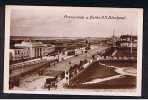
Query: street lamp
x,y
22,70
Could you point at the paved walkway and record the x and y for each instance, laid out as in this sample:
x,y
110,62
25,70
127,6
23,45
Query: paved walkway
x,y
122,72
102,80
75,60
37,84
59,67
19,71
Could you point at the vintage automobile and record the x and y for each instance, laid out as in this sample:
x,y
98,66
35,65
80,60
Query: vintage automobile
x,y
51,82
71,52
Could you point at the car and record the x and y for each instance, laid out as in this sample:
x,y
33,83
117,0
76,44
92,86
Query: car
x,y
50,83
76,55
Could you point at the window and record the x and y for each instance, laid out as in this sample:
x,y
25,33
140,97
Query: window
x,y
15,52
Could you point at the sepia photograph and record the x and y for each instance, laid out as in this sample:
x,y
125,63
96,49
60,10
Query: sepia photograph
x,y
73,50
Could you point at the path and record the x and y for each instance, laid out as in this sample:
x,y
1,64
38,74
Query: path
x,y
122,72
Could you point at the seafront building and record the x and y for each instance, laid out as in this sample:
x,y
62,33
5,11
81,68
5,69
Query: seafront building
x,y
128,41
30,50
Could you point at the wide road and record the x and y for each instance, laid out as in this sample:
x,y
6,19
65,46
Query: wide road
x,y
61,66
27,68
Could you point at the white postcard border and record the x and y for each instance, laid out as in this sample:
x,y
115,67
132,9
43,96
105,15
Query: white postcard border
x,y
74,92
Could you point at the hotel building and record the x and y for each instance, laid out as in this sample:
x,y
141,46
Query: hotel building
x,y
30,50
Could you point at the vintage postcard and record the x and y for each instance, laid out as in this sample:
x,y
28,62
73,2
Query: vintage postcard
x,y
73,50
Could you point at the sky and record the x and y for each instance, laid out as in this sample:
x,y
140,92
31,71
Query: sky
x,y
50,21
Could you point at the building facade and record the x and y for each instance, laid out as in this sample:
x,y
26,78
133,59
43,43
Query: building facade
x,y
30,50
19,53
127,41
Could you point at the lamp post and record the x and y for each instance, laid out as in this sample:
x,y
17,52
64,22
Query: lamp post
x,y
131,44
22,70
22,67
67,74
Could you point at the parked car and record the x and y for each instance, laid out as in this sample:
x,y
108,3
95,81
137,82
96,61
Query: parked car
x,y
50,83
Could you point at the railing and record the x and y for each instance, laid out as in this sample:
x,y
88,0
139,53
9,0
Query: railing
x,y
116,58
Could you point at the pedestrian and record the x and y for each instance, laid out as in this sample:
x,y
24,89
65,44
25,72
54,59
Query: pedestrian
x,y
49,87
49,64
54,63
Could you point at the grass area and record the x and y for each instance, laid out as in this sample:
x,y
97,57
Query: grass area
x,y
119,83
120,63
95,70
127,53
